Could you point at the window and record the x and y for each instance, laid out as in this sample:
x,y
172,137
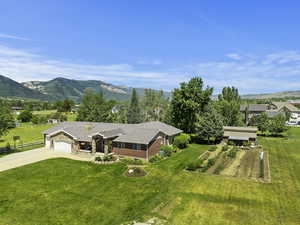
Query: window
x,y
138,147
122,145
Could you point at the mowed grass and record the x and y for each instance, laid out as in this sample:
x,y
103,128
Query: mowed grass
x,y
62,191
28,134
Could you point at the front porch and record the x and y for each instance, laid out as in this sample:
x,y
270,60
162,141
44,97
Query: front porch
x,y
98,145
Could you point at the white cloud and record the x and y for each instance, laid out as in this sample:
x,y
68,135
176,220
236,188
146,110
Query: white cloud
x,y
234,56
23,65
272,72
7,36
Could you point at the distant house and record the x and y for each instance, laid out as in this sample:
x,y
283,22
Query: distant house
x,y
272,109
240,134
134,140
284,107
251,110
294,102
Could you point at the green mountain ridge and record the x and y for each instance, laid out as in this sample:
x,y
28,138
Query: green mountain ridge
x,y
11,88
61,88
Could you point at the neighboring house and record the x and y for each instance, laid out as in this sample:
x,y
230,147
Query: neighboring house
x,y
272,109
53,121
135,140
251,110
294,102
240,134
284,107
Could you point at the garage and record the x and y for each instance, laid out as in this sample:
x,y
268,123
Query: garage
x,y
61,146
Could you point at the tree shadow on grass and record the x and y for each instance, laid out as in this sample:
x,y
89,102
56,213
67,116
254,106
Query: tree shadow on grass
x,y
220,199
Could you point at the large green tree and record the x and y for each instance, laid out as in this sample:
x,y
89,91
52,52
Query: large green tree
x,y
6,119
154,105
210,125
95,108
188,102
229,102
134,114
277,125
25,116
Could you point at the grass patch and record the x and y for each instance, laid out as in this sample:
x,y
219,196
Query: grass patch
x,y
57,191
28,134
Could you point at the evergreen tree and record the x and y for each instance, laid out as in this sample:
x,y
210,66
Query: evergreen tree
x,y
210,125
6,119
134,112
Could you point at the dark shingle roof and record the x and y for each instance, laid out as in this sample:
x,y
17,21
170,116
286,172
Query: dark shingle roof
x,y
254,107
137,133
164,128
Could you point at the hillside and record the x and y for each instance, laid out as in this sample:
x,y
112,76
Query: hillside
x,y
11,88
61,88
285,94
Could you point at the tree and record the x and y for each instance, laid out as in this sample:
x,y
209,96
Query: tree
x,y
262,122
134,112
154,105
188,102
65,106
210,125
6,119
277,125
25,116
229,106
95,108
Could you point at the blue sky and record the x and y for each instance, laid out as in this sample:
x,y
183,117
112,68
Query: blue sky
x,y
253,45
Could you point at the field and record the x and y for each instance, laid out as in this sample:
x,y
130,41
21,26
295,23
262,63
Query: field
x,y
28,134
62,191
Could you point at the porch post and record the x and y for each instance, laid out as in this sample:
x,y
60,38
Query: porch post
x,y
93,146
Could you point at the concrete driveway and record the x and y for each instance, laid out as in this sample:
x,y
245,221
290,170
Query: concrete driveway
x,y
27,157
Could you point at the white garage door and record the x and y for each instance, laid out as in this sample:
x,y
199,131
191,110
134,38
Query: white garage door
x,y
61,146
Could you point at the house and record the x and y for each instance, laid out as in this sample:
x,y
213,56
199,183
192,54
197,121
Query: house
x,y
134,140
294,102
272,109
252,110
240,134
284,107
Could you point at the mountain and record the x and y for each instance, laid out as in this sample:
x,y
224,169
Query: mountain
x,y
62,88
11,88
284,94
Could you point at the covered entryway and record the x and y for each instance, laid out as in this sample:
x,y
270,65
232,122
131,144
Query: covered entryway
x,y
62,146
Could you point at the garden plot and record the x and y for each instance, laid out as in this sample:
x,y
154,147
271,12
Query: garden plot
x,y
234,162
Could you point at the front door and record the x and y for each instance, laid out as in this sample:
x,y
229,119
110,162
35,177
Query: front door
x,y
99,146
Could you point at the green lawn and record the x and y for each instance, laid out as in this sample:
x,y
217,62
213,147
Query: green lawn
x,y
28,134
62,191
44,112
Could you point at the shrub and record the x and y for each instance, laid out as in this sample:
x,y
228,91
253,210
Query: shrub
x,y
8,148
232,153
231,142
212,149
247,143
98,158
166,150
107,158
193,166
182,141
155,159
225,148
209,164
25,116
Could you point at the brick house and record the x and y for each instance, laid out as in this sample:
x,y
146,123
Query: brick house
x,y
134,140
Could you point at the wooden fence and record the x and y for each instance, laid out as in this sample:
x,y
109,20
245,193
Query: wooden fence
x,y
20,146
